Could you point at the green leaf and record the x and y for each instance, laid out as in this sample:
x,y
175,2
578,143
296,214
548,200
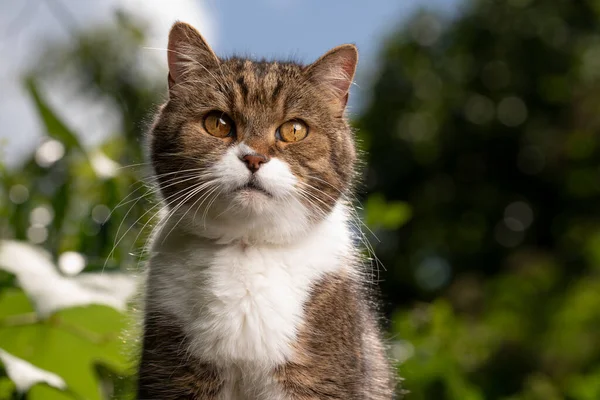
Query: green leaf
x,y
80,338
6,279
7,388
585,387
55,127
14,301
45,392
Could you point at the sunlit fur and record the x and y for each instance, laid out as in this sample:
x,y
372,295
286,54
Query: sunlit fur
x,y
254,288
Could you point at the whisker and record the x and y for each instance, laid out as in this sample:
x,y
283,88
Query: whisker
x,y
199,189
131,227
133,165
208,207
358,223
177,207
145,194
204,197
151,190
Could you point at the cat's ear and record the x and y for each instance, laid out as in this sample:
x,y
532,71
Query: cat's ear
x,y
187,51
334,71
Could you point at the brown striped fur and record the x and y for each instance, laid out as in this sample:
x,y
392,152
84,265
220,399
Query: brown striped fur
x,y
339,353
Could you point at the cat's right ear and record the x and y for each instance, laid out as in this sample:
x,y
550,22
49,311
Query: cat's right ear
x,y
187,51
334,71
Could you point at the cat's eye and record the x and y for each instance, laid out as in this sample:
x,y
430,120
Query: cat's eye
x,y
292,131
219,124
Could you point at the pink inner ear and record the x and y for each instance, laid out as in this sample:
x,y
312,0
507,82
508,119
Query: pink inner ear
x,y
187,46
335,70
347,66
172,58
177,39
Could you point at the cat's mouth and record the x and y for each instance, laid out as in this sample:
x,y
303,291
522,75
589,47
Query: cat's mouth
x,y
253,186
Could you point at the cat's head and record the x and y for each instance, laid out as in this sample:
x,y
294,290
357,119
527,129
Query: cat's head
x,y
252,149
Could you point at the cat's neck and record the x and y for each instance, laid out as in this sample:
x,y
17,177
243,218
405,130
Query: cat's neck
x,y
263,234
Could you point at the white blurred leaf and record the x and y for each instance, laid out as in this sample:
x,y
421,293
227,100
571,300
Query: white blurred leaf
x,y
50,291
104,167
25,375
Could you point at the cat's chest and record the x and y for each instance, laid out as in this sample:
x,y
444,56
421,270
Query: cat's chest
x,y
253,303
241,303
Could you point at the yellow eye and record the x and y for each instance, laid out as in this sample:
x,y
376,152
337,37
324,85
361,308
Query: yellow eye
x,y
219,124
292,131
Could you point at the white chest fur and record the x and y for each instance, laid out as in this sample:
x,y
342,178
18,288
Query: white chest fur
x,y
243,304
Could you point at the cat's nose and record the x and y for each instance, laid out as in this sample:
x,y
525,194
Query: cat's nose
x,y
254,161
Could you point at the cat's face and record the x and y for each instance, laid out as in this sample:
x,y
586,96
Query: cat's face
x,y
244,149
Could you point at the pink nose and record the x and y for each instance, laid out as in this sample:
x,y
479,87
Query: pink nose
x,y
254,161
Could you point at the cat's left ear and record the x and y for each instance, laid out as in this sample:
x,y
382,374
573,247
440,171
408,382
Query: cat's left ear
x,y
334,71
187,52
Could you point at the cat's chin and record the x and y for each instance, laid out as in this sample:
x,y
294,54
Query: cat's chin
x,y
251,201
278,222
252,190
251,216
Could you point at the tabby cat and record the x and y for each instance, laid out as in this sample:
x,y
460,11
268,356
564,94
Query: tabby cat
x,y
255,288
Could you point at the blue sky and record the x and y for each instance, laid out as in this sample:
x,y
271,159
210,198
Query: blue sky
x,y
298,29
308,28
305,29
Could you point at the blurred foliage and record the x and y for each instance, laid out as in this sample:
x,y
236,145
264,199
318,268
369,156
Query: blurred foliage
x,y
69,199
488,127
482,186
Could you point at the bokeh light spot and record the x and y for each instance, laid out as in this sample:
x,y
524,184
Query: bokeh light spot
x,y
100,213
591,63
425,29
18,194
512,111
402,350
518,216
103,166
37,234
49,152
41,215
433,273
479,109
71,262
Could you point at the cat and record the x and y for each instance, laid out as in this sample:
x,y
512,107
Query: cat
x,y
255,288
